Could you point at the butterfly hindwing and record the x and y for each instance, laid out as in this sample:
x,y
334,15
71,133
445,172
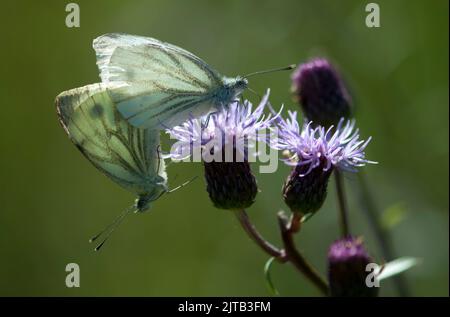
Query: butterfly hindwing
x,y
126,154
162,82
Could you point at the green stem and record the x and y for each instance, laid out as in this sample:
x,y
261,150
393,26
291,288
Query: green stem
x,y
343,210
381,234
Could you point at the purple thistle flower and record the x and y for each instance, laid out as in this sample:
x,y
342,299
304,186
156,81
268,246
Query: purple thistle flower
x,y
321,92
347,261
222,142
314,152
315,146
231,128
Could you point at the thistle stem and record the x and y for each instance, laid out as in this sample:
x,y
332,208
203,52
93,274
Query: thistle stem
x,y
382,235
343,210
294,256
289,253
251,231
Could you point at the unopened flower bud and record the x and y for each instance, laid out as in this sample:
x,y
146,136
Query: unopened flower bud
x,y
304,192
230,185
321,93
347,261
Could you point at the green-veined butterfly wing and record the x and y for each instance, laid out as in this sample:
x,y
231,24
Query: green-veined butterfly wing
x,y
164,83
126,154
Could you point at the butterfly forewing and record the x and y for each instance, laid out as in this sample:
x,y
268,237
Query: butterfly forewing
x,y
126,154
163,83
157,109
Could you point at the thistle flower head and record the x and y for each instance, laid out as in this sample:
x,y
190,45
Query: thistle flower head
x,y
231,127
229,180
319,147
314,152
321,92
347,261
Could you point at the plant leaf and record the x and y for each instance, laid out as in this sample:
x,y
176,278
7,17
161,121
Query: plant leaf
x,y
396,266
269,282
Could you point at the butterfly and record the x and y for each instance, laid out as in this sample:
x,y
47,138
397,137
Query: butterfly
x,y
162,85
126,154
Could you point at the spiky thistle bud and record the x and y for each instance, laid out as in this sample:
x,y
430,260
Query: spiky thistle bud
x,y
347,262
304,192
314,152
230,185
223,139
319,89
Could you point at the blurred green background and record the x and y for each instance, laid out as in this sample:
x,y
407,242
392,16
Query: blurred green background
x,y
53,200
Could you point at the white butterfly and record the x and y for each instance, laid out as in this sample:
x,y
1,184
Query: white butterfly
x,y
162,85
126,154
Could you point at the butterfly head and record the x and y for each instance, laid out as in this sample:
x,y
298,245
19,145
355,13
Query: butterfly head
x,y
241,84
233,87
144,202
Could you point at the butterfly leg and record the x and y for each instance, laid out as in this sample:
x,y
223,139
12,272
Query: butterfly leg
x,y
158,151
207,119
182,185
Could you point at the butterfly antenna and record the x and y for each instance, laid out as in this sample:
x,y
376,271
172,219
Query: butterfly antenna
x,y
109,229
182,185
270,70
